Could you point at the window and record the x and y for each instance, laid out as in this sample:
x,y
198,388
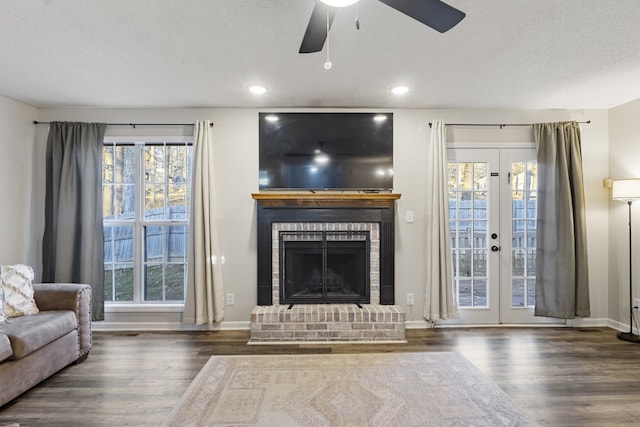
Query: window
x,y
146,190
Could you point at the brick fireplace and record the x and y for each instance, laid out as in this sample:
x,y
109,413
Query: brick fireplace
x,y
334,252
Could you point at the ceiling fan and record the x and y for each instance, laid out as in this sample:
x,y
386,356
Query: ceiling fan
x,y
433,13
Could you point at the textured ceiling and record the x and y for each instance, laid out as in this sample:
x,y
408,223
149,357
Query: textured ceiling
x,y
202,53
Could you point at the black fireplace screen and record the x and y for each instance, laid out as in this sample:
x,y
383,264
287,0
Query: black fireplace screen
x,y
324,267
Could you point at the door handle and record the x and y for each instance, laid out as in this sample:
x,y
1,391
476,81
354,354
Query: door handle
x,y
495,248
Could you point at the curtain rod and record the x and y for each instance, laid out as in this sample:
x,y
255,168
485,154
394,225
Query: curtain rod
x,y
133,125
504,125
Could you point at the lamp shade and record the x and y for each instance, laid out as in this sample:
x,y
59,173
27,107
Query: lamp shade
x,y
626,190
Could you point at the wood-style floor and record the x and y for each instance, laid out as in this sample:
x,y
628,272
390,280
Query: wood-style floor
x,y
557,376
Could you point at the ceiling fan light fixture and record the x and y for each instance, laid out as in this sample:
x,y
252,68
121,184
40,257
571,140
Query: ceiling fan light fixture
x,y
339,3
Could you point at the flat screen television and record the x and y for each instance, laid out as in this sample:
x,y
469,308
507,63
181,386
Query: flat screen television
x,y
326,151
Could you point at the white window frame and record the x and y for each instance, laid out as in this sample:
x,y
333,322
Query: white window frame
x,y
138,304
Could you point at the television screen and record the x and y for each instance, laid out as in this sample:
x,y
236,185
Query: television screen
x,y
326,151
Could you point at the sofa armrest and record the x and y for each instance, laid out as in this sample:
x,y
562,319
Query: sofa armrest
x,y
68,296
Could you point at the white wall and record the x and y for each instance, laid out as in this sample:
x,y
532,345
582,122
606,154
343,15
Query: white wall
x,y
624,162
236,137
17,137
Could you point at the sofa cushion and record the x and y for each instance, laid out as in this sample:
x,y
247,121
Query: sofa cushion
x,y
5,348
18,290
29,333
3,318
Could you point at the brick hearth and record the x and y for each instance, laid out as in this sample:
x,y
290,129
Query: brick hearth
x,y
327,323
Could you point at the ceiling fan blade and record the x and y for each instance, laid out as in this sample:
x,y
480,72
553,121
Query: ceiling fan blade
x,y
316,34
434,13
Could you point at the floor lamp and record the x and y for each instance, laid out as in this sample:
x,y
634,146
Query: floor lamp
x,y
628,190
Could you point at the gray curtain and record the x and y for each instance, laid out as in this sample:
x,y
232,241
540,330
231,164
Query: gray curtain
x,y
204,299
72,246
562,277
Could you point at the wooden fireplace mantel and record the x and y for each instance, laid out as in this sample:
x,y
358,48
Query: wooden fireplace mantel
x,y
325,199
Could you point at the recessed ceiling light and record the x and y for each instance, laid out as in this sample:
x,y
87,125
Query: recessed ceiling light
x,y
257,88
321,159
339,3
400,89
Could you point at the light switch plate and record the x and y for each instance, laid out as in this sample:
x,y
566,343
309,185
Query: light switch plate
x,y
409,217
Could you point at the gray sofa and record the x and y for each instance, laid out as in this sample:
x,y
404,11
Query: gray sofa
x,y
34,347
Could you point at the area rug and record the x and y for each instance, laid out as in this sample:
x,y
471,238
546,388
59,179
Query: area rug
x,y
373,389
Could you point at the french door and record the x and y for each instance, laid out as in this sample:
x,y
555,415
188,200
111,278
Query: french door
x,y
492,206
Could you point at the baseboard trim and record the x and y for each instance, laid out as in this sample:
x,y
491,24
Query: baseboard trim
x,y
102,326
166,326
587,322
619,326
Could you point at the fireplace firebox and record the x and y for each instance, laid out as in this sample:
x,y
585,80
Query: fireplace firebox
x,y
324,267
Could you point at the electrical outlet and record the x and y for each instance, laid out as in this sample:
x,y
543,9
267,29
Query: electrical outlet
x,y
636,302
411,299
231,299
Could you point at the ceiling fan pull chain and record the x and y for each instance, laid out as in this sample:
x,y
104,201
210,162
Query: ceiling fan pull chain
x,y
327,63
357,16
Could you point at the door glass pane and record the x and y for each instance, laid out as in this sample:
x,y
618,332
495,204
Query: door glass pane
x,y
468,223
523,232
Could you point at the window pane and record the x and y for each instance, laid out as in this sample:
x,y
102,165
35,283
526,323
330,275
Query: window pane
x,y
178,201
480,234
125,164
118,244
480,176
517,293
453,207
118,178
154,202
531,263
464,267
108,198
480,263
165,262
154,164
107,164
167,189
123,282
124,201
464,234
118,263
480,293
518,262
465,176
531,292
480,205
464,293
452,177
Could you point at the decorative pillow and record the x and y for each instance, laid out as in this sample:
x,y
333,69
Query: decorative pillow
x,y
18,291
2,316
